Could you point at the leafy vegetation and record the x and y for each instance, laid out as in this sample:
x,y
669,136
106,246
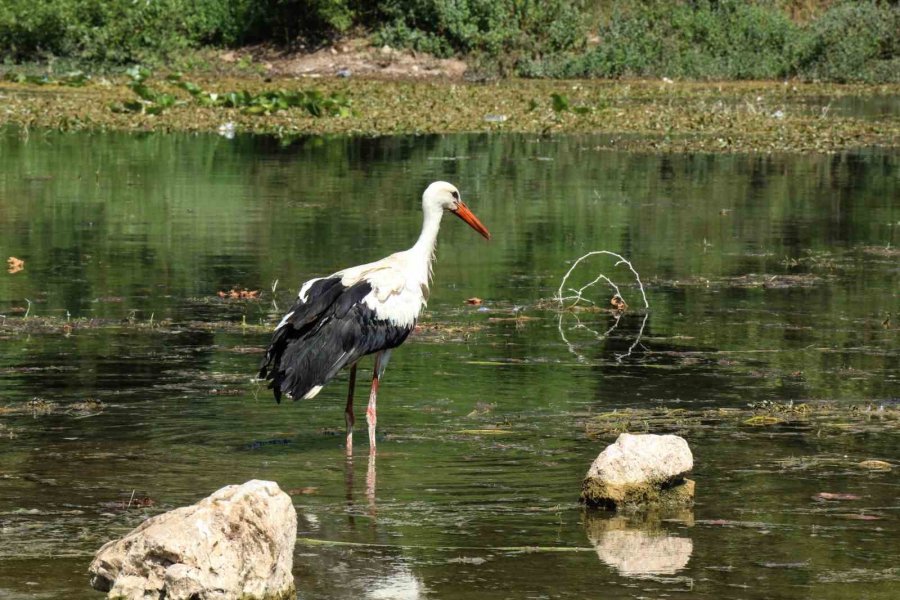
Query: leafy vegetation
x,y
855,41
113,31
71,79
497,34
732,39
727,39
845,40
154,102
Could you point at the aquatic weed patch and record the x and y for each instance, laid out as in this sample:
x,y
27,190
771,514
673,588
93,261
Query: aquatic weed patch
x,y
429,332
71,79
788,418
153,101
640,116
15,326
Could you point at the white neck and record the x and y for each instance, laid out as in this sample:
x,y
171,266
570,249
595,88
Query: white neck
x,y
423,250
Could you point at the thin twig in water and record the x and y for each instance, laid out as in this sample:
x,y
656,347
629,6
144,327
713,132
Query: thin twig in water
x,y
579,297
637,340
274,286
130,500
598,336
622,260
578,293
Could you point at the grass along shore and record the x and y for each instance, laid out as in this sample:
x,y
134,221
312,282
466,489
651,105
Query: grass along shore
x,y
636,115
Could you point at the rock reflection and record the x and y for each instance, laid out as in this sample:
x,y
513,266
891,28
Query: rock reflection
x,y
400,584
639,545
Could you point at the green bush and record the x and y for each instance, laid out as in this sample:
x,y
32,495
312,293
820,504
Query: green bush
x,y
853,41
731,39
504,31
123,31
285,22
112,31
696,39
724,39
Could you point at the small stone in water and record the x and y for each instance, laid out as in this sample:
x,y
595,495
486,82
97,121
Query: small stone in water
x,y
859,517
876,465
226,130
831,496
786,565
467,560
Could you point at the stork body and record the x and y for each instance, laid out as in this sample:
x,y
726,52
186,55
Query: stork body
x,y
367,309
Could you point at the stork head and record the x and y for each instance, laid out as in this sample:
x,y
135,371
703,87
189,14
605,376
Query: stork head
x,y
441,195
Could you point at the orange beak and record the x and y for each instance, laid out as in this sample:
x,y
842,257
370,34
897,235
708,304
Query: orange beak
x,y
462,211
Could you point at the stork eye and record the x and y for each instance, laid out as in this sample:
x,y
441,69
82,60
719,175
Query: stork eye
x,y
455,195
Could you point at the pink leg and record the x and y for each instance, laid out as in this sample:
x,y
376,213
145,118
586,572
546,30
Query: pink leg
x,y
371,416
370,484
348,412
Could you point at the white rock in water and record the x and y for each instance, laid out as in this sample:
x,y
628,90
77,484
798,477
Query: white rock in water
x,y
640,469
644,458
237,543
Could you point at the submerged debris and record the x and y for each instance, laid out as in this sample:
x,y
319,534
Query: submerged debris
x,y
876,465
859,516
441,331
834,496
89,406
822,417
481,409
132,502
751,280
885,251
14,265
57,325
236,294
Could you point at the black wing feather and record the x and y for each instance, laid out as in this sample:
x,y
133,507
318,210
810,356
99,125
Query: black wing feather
x,y
329,330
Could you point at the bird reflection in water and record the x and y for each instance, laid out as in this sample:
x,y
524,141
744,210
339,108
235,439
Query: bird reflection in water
x,y
370,483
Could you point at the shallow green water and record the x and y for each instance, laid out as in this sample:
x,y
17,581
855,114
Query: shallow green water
x,y
769,279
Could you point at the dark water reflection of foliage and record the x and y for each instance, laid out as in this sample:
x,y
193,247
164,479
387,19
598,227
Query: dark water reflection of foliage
x,y
119,226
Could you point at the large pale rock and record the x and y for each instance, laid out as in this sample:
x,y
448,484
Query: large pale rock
x,y
641,470
237,543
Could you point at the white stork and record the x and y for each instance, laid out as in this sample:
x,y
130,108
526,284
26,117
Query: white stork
x,y
361,310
